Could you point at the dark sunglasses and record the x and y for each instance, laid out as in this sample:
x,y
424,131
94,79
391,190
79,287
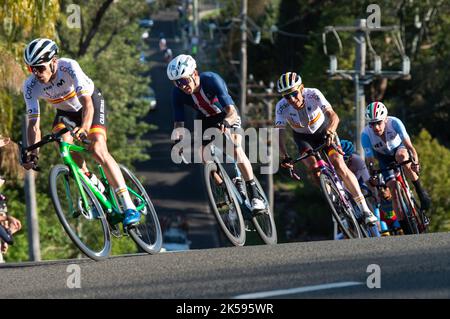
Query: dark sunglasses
x,y
373,124
291,95
182,82
38,68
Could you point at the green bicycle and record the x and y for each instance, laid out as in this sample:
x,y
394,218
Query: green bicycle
x,y
81,206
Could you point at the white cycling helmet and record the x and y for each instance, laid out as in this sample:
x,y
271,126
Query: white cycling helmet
x,y
376,111
40,51
288,81
181,66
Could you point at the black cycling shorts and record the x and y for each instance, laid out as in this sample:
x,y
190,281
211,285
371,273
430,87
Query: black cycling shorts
x,y
98,122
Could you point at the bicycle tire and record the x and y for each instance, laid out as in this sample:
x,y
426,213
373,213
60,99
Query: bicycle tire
x,y
344,217
147,235
231,220
62,171
408,210
265,222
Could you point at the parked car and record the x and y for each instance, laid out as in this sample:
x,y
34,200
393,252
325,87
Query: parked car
x,y
146,23
175,239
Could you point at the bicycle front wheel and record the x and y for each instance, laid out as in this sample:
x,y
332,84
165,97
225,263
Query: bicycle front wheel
x,y
224,204
265,222
88,228
409,212
343,214
147,234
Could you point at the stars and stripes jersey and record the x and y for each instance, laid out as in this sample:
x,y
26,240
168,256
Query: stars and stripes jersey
x,y
210,100
308,119
62,92
394,132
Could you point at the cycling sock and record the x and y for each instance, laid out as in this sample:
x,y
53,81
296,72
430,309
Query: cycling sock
x,y
252,189
124,197
361,202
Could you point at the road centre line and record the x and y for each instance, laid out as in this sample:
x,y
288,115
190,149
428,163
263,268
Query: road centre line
x,y
282,292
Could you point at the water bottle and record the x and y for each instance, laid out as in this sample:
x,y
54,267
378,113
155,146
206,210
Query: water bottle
x,y
96,182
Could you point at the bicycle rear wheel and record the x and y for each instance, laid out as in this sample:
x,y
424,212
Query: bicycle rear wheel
x,y
344,215
147,234
265,222
88,229
224,204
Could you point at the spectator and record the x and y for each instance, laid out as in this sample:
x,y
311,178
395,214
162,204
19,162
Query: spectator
x,y
9,224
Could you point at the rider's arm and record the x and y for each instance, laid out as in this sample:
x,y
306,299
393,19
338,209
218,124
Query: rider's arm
x,y
282,143
232,114
399,127
333,120
33,133
88,112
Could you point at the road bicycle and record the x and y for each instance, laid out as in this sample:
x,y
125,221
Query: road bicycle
x,y
88,215
405,199
229,201
332,188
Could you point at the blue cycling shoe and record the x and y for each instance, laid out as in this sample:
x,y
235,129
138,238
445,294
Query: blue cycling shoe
x,y
132,217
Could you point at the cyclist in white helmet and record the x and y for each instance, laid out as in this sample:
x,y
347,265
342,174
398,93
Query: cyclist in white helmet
x,y
62,83
385,139
313,121
207,93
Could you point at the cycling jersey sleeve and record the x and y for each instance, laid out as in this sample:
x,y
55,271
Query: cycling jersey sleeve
x,y
220,89
399,127
280,121
367,146
324,104
31,99
82,83
178,105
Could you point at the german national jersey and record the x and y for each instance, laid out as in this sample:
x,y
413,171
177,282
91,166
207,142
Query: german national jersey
x,y
210,100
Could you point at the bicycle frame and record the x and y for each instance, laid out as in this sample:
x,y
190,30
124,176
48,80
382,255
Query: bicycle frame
x,y
110,204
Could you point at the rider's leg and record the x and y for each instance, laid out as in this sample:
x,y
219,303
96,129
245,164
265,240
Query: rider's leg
x,y
247,172
402,155
352,185
114,175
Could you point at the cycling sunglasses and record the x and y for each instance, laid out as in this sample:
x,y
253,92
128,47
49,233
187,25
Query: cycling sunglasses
x,y
373,124
291,95
37,68
182,82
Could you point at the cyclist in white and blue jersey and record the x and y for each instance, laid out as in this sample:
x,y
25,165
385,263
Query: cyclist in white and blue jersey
x,y
207,93
385,139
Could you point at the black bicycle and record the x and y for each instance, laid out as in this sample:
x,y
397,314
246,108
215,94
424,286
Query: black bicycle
x,y
229,202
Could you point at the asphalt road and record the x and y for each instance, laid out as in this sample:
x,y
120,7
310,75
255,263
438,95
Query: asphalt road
x,y
409,267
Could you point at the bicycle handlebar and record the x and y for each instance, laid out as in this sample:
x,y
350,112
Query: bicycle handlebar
x,y
393,165
70,126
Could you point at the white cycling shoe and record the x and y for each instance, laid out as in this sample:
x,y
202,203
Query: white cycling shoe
x,y
257,205
370,217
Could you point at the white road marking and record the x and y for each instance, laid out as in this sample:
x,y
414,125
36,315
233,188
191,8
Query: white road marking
x,y
273,293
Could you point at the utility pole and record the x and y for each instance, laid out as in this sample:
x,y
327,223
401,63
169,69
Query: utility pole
x,y
34,250
360,67
360,76
243,62
196,18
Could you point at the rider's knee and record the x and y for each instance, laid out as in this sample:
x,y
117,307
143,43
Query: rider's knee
x,y
100,152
